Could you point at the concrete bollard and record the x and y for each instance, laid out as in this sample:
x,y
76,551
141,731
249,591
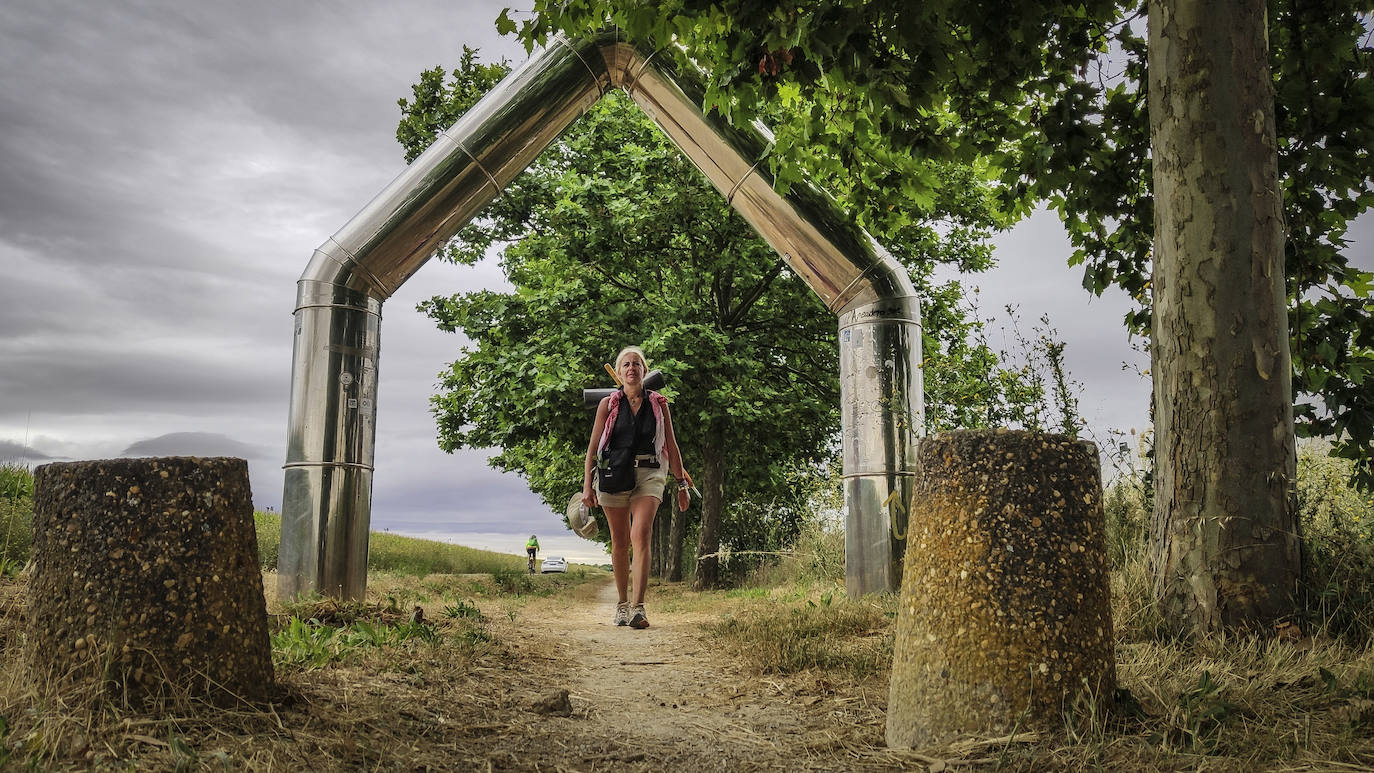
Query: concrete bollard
x,y
1004,612
146,577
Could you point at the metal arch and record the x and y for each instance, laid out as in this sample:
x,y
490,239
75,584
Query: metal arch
x,y
326,505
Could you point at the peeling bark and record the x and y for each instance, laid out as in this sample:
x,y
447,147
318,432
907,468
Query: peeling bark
x,y
1224,546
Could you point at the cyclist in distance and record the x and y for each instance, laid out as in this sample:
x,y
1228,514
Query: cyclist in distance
x,y
532,548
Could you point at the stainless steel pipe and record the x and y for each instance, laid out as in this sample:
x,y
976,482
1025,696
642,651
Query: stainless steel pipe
x,y
326,507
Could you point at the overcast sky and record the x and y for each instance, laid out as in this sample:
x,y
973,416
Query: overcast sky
x,y
167,169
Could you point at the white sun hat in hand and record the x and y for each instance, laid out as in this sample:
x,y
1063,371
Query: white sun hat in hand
x,y
580,518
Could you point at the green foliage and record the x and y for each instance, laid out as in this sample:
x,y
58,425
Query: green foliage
x,y
880,90
1204,712
815,556
16,482
397,554
16,517
302,644
312,644
1337,589
1090,160
463,609
1126,506
436,106
268,528
1336,592
516,582
876,96
1026,388
612,237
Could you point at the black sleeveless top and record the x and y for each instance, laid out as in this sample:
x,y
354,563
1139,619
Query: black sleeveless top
x,y
633,430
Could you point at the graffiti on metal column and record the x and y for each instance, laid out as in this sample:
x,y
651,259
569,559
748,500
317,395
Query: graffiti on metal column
x,y
894,506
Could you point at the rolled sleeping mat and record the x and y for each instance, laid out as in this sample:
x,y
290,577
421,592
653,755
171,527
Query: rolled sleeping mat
x,y
652,380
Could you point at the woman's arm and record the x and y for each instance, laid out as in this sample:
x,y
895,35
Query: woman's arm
x,y
588,490
675,465
670,448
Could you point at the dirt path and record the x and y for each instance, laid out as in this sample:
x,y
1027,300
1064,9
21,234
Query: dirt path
x,y
666,698
663,696
662,681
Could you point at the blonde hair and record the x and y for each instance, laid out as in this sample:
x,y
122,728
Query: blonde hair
x,y
631,350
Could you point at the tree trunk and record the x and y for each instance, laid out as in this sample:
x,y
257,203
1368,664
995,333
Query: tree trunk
x,y
1224,546
712,503
659,541
677,534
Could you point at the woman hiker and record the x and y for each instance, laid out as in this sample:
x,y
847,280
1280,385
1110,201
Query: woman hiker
x,y
632,449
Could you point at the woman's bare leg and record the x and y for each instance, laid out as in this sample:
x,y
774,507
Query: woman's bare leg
x,y
618,518
642,511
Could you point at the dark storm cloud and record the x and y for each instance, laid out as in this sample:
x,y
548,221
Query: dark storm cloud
x,y
114,95
166,170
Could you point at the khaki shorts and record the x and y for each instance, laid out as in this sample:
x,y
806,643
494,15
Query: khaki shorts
x,y
649,482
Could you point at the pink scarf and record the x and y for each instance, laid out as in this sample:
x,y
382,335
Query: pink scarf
x,y
657,402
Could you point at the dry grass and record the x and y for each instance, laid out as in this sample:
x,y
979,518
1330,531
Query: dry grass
x,y
1245,704
450,692
391,688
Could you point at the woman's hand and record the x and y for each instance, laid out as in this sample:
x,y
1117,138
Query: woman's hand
x,y
589,497
684,498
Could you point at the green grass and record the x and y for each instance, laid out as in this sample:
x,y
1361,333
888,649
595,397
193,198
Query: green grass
x,y
268,526
396,554
312,644
16,516
418,557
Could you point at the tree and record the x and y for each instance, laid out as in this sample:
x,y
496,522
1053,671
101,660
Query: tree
x,y
891,80
1090,159
1224,540
612,237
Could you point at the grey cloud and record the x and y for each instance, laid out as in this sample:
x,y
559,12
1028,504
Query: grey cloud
x,y
114,376
143,91
166,170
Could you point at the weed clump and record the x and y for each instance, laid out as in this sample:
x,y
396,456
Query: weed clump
x,y
16,517
833,634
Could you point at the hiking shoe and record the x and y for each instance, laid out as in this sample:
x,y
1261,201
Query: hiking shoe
x,y
622,613
637,618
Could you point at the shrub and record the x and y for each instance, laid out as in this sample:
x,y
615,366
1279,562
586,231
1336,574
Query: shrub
x,y
816,557
1337,520
16,482
268,527
16,516
1127,510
